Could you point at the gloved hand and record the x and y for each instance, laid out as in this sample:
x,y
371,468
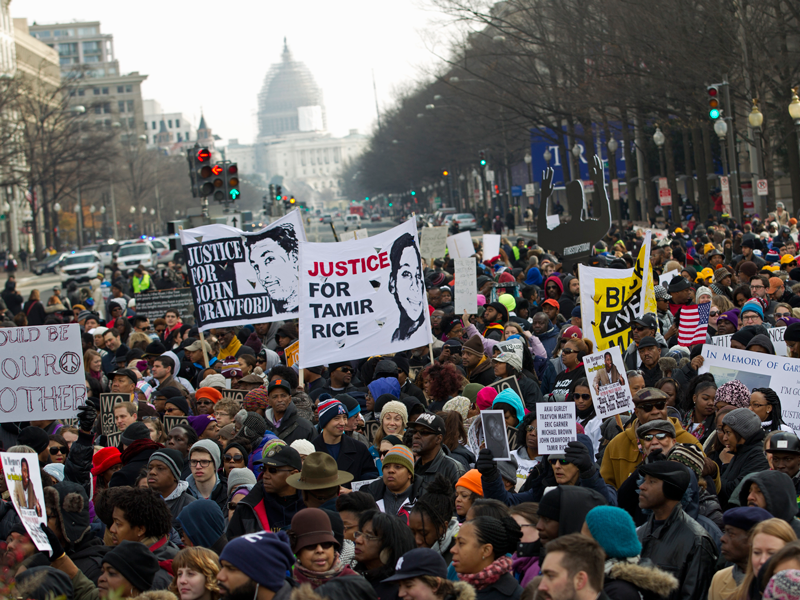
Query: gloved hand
x,y
656,454
57,549
86,417
486,465
577,454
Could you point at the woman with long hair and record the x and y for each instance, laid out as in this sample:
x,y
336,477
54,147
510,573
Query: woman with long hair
x,y
381,540
93,366
195,574
766,403
455,436
699,406
766,539
431,519
156,427
526,443
34,309
123,327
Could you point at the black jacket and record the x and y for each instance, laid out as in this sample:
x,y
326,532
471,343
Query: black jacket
x,y
779,495
354,457
78,465
463,455
749,458
34,310
379,491
482,373
441,464
505,588
279,512
681,547
642,581
127,475
293,427
531,392
410,389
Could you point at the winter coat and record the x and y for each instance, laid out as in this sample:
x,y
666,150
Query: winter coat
x,y
78,465
127,474
378,490
749,458
354,457
441,464
219,494
622,454
549,339
179,499
482,373
279,512
682,548
779,496
631,356
34,310
505,588
12,298
564,381
637,581
97,296
293,427
463,455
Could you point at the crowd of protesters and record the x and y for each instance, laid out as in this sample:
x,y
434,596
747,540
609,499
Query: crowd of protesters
x,y
370,480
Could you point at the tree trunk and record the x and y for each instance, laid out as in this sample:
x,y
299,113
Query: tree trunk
x,y
688,169
702,200
669,156
634,214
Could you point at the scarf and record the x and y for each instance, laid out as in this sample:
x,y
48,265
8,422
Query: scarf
x,y
136,448
489,575
317,578
698,430
230,350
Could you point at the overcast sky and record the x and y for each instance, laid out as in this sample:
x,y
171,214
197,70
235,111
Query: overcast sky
x,y
215,55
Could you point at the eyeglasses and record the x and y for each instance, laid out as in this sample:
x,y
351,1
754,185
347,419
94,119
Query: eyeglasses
x,y
568,351
577,396
648,437
751,319
383,453
367,536
757,287
781,315
562,461
345,369
58,450
233,457
530,428
757,405
648,406
200,463
151,418
274,470
713,313
204,403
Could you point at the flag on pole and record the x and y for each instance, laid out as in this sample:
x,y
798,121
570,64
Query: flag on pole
x,y
694,323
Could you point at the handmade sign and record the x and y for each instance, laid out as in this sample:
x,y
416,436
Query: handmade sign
x,y
433,242
355,234
292,352
494,433
362,298
24,483
775,335
491,246
574,240
460,245
235,395
240,278
466,286
605,372
153,305
170,422
108,425
41,373
555,426
507,382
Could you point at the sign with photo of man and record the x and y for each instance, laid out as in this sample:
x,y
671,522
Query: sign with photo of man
x,y
24,484
609,389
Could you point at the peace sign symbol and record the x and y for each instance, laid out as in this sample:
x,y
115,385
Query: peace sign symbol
x,y
69,363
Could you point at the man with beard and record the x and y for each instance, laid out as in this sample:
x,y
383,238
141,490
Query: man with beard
x,y
608,375
274,259
243,576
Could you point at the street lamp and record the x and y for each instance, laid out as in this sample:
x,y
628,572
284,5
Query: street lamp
x,y
794,112
659,138
547,156
721,129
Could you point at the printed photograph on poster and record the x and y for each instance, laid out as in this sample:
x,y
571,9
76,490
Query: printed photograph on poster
x,y
433,242
362,297
24,484
241,277
556,426
605,372
466,286
494,433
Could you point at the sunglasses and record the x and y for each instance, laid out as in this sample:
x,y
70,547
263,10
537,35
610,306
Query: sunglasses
x,y
576,396
568,351
58,450
640,328
233,457
648,406
274,470
782,315
345,369
562,461
530,428
204,402
714,313
648,437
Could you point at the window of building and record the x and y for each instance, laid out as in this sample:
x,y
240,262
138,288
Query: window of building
x,y
131,122
180,137
336,155
327,157
82,31
98,110
105,91
130,105
121,106
303,159
154,125
177,123
187,136
68,49
91,59
107,108
128,89
169,123
120,89
107,123
81,92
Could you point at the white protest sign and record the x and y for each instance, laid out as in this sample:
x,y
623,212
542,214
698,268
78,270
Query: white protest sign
x,y
460,245
756,370
606,374
553,221
555,426
491,245
775,335
433,242
24,483
466,286
357,485
355,234
494,433
41,373
362,297
665,278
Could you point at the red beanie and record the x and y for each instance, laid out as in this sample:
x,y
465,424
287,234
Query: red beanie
x,y
104,459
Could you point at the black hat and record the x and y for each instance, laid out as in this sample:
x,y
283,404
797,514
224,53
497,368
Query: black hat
x,y
430,421
34,437
154,349
748,243
52,583
647,342
180,403
126,373
129,355
279,383
648,320
678,284
135,562
675,476
744,335
792,333
281,456
784,441
135,431
401,360
385,368
418,563
167,392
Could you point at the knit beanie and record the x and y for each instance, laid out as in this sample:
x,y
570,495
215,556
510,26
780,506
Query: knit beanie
x,y
34,437
744,335
209,393
784,585
459,404
303,447
471,391
180,403
249,553
689,455
734,393
254,425
212,448
508,301
485,398
474,345
753,306
133,432
256,399
135,562
332,408
472,481
215,380
240,477
614,530
397,408
171,458
200,423
400,455
744,422
145,388
702,291
550,504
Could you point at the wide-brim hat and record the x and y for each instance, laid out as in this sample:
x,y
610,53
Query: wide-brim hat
x,y
319,472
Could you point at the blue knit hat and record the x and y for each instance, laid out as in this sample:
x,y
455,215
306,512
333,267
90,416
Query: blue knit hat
x,y
250,553
613,529
752,305
329,409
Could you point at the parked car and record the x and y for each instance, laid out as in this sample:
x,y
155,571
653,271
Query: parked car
x,y
131,256
440,215
352,221
375,217
163,252
466,221
80,267
326,219
106,251
47,264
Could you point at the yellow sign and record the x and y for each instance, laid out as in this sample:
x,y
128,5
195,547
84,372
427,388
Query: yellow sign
x,y
292,353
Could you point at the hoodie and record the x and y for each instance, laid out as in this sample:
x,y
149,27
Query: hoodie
x,y
533,277
385,385
779,495
509,396
763,341
179,498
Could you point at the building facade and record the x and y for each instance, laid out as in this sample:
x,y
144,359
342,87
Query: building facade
x,y
167,130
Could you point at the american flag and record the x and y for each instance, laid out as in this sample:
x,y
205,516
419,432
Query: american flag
x,y
694,323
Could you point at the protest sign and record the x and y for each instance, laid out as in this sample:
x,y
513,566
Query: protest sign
x,y
356,234
240,278
605,372
24,483
170,422
665,278
775,335
460,245
357,485
291,352
612,298
235,395
362,298
153,305
555,426
433,242
108,425
506,383
495,435
756,370
41,373
491,246
370,429
466,287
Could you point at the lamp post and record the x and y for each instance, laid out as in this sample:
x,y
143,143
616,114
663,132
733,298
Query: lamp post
x,y
721,129
57,210
103,222
613,145
755,119
794,112
94,231
79,110
659,139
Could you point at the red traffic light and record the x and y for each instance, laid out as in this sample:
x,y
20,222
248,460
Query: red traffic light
x,y
216,169
205,172
203,155
233,169
712,91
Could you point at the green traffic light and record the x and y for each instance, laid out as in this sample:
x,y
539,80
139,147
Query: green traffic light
x,y
366,199
483,163
413,193
390,204
279,197
234,194
714,113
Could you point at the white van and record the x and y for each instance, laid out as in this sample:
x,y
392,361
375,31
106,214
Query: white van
x,y
352,222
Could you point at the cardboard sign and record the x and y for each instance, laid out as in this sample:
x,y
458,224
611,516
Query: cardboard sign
x,y
495,434
665,278
460,245
235,395
433,242
24,483
555,426
41,373
153,305
356,234
107,403
370,429
605,372
491,245
292,353
466,292
507,382
170,422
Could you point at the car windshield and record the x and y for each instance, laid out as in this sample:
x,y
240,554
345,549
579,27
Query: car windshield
x,y
107,247
134,249
79,259
158,244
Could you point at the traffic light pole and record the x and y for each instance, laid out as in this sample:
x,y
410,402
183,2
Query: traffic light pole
x,y
733,162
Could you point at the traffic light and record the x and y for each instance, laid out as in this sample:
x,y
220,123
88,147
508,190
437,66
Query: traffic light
x,y
278,193
413,193
445,173
271,193
713,101
496,190
232,181
292,201
482,156
217,180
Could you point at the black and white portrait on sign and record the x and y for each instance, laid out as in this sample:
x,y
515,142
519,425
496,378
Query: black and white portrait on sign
x,y
273,256
407,286
494,433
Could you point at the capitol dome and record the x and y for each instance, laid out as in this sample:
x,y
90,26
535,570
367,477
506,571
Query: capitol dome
x,y
288,86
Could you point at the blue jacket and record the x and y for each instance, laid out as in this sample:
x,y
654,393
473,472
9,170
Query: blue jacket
x,y
549,340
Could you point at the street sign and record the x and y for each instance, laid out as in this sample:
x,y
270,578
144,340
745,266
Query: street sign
x,y
725,187
490,175
662,183
615,189
665,197
516,190
724,184
761,187
530,190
